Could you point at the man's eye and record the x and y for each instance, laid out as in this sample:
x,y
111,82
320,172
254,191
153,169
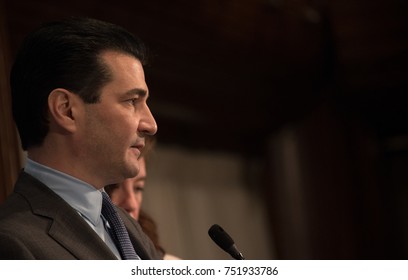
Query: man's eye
x,y
133,101
138,189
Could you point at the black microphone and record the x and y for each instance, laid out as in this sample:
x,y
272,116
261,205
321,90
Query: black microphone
x,y
222,239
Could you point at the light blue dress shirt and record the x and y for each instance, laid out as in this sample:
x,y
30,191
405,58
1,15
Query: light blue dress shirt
x,y
84,198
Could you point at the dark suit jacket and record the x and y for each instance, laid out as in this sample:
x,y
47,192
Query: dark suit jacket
x,y
35,223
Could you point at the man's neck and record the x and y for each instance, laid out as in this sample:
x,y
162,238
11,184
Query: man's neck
x,y
63,162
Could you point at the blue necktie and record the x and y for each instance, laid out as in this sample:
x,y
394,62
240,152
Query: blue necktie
x,y
117,230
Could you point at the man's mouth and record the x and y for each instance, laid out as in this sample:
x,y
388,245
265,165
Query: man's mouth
x,y
137,148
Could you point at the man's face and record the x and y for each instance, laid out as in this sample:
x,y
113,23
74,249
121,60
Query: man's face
x,y
114,129
129,193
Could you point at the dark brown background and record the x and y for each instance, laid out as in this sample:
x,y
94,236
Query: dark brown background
x,y
231,74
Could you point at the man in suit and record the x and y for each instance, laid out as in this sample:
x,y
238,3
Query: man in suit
x,y
79,100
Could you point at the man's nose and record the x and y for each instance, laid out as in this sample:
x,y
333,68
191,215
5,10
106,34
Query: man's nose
x,y
148,125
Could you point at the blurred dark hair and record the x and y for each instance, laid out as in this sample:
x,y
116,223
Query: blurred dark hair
x,y
63,54
149,227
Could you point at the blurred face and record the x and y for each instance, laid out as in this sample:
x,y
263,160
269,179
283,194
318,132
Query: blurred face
x,y
112,132
129,194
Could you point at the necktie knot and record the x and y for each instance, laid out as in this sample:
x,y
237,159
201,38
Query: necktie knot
x,y
117,229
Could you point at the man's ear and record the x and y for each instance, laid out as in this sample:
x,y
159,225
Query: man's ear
x,y
62,105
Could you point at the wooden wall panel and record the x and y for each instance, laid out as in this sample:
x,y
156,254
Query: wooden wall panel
x,y
10,154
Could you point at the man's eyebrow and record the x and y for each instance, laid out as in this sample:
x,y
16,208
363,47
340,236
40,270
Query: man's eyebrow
x,y
136,91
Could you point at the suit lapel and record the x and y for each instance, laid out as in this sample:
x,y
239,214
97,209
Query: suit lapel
x,y
73,233
68,228
135,236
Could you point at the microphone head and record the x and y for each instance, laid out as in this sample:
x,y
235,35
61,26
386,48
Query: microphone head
x,y
224,241
220,237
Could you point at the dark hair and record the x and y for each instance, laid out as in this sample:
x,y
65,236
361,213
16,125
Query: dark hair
x,y
64,54
149,227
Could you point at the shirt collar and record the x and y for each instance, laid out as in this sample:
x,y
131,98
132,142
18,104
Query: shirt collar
x,y
79,195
